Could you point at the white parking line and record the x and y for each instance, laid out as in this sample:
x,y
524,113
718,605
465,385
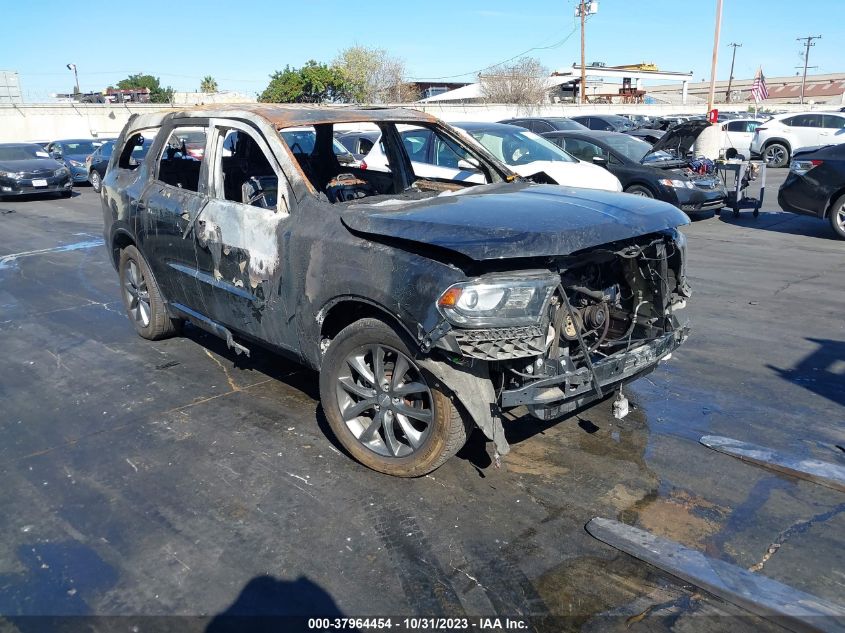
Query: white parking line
x,y
6,261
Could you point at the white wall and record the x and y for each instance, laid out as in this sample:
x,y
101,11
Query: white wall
x,y
45,122
497,112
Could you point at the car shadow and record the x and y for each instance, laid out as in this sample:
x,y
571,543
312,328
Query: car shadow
x,y
32,197
822,371
269,604
271,364
781,222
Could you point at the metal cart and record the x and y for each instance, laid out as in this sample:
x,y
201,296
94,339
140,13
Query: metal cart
x,y
737,198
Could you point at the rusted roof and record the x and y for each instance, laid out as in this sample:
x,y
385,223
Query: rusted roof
x,y
282,115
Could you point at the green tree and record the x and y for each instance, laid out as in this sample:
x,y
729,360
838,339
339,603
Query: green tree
x,y
139,80
313,83
208,84
374,76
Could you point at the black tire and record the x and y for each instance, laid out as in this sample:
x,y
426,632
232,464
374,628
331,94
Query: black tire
x,y
142,297
640,190
345,393
837,217
96,180
776,155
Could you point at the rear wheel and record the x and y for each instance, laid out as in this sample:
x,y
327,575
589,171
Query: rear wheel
x,y
386,411
837,217
640,190
142,298
96,181
776,155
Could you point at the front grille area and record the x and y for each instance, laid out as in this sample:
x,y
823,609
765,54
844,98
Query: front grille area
x,y
40,173
501,343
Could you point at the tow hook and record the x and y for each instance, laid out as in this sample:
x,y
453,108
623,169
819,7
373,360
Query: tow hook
x,y
620,406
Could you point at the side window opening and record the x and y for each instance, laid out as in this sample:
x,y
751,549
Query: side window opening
x,y
135,149
245,172
181,158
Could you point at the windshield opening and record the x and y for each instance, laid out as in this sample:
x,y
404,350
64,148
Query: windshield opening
x,y
80,147
22,152
630,147
514,147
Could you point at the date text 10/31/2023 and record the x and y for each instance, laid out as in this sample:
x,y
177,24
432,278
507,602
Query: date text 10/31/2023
x,y
418,624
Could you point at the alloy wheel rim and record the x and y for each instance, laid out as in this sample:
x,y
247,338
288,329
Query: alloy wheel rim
x,y
385,400
840,218
775,154
95,180
136,294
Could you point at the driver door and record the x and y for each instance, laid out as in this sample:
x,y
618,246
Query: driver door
x,y
240,234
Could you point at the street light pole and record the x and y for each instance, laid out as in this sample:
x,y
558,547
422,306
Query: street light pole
x,y
712,96
731,78
75,76
808,43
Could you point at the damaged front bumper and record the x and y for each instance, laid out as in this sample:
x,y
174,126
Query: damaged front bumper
x,y
551,396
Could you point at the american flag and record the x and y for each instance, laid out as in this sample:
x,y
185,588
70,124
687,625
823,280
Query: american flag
x,y
758,89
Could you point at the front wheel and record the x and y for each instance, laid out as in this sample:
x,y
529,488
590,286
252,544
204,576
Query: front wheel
x,y
639,190
386,411
837,217
95,180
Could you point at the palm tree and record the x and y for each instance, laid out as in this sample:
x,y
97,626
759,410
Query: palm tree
x,y
208,84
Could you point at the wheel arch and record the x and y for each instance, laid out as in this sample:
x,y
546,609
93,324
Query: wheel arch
x,y
343,311
777,139
636,182
120,240
832,200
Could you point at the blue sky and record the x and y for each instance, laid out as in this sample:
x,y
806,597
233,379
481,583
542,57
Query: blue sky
x,y
241,43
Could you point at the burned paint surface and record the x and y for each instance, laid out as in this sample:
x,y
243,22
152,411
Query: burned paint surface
x,y
517,220
273,275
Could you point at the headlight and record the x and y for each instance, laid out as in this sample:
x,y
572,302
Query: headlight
x,y
76,163
801,167
61,171
498,300
678,184
8,174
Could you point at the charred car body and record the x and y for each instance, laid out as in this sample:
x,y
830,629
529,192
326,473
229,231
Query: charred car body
x,y
427,305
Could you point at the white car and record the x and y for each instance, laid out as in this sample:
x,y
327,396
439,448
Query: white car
x,y
780,137
737,134
524,152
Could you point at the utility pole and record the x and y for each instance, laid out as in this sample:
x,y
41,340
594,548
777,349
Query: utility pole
x,y
731,78
584,8
712,96
75,76
808,43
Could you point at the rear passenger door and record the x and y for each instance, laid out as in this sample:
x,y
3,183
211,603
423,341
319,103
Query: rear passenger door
x,y
833,129
806,130
175,194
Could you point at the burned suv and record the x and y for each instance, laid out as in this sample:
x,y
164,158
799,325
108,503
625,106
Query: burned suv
x,y
429,306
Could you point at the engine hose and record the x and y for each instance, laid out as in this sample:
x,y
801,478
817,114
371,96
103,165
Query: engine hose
x,y
581,343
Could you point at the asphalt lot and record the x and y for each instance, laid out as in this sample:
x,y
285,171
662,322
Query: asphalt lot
x,y
173,478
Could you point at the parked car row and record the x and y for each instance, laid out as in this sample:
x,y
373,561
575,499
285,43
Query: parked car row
x,y
27,168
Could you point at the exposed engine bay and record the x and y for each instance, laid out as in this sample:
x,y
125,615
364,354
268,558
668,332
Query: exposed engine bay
x,y
610,319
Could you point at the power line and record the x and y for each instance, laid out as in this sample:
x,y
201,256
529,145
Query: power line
x,y
518,55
